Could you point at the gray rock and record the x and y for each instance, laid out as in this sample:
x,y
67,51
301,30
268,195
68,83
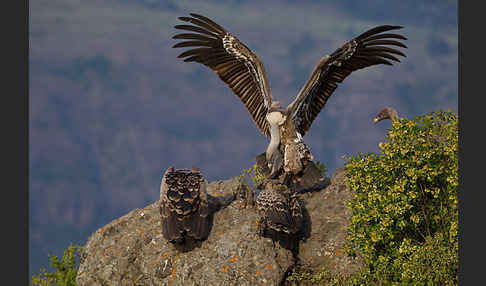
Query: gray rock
x,y
329,220
132,251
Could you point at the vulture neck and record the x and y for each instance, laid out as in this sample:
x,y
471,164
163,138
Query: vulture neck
x,y
274,141
275,119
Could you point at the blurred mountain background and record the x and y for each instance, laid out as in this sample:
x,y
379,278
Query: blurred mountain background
x,y
111,106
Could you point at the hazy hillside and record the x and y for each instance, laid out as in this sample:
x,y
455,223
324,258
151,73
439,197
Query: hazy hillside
x,y
112,107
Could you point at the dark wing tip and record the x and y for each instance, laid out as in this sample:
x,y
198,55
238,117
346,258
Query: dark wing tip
x,y
183,18
181,27
384,42
376,30
195,15
179,45
391,27
203,22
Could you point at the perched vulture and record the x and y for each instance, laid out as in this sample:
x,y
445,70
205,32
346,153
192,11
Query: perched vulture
x,y
215,47
279,209
386,113
184,205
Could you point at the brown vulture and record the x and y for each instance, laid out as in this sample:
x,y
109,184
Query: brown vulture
x,y
215,47
279,209
386,113
184,205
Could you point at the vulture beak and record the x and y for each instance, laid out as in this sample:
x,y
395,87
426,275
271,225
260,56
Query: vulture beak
x,y
375,120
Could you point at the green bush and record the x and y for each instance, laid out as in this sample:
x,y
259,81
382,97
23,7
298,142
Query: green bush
x,y
433,263
405,208
66,269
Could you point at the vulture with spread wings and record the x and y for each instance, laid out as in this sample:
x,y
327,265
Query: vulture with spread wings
x,y
215,47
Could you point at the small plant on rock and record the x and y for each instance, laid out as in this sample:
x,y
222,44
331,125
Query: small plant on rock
x,y
255,175
322,168
66,269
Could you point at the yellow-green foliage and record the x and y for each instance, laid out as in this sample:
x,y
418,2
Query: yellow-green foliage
x,y
433,263
66,269
405,209
254,174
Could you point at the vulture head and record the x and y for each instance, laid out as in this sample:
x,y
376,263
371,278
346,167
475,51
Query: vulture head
x,y
386,113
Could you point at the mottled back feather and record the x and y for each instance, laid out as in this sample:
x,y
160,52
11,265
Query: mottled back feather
x,y
279,209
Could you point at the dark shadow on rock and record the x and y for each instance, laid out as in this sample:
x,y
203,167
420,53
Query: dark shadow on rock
x,y
324,183
306,228
188,244
216,203
311,179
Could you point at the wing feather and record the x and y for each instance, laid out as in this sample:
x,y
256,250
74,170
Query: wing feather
x,y
196,29
188,36
368,49
235,64
386,35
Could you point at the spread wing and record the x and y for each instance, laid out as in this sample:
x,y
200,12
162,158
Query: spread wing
x,y
368,49
214,47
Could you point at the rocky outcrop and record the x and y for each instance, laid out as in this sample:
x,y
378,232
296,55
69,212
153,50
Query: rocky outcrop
x,y
132,251
329,220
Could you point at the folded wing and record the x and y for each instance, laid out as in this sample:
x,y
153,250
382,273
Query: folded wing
x,y
368,49
183,205
214,47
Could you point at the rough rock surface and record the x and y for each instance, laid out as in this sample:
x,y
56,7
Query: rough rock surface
x,y
329,219
132,251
